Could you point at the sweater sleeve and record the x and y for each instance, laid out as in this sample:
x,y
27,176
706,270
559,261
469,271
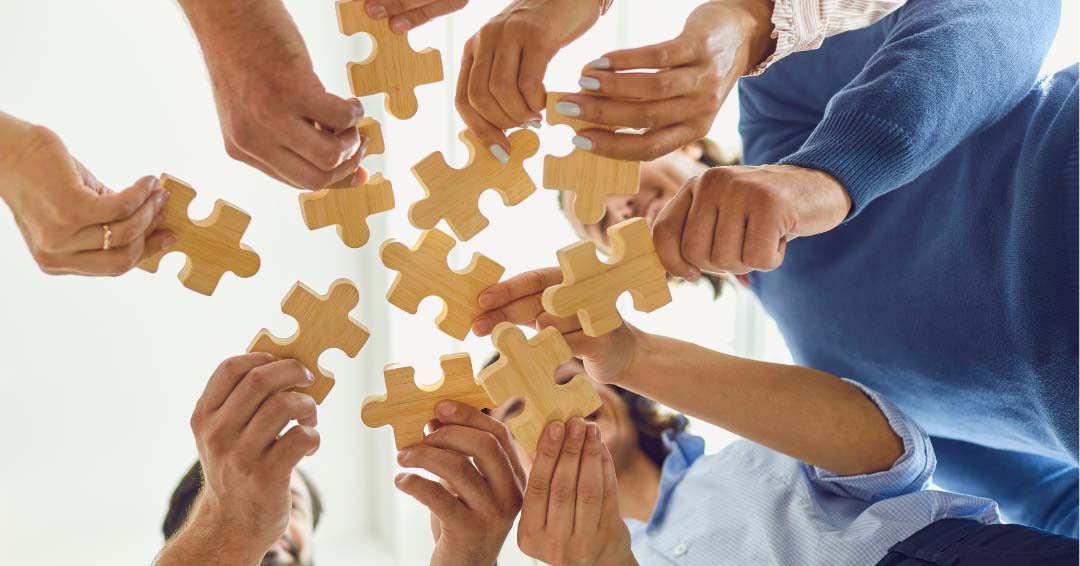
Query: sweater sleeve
x,y
945,71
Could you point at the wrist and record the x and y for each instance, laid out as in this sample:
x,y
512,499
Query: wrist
x,y
13,132
638,345
210,539
752,20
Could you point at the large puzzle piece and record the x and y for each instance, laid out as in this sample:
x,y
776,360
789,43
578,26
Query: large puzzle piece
x,y
591,287
589,176
407,406
323,322
526,368
348,208
393,67
453,194
424,272
212,245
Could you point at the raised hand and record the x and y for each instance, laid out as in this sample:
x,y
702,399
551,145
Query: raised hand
x,y
407,14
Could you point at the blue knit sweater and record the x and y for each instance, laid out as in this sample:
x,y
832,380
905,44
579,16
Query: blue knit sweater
x,y
952,286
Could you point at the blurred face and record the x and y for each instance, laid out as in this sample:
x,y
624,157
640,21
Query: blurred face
x,y
294,547
660,180
613,418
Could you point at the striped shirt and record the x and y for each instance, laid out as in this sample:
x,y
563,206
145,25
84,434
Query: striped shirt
x,y
748,505
802,25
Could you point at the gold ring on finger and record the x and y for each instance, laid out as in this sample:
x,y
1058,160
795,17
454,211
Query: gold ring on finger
x,y
106,237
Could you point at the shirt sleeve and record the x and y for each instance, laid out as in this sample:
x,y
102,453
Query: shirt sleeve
x,y
802,25
910,473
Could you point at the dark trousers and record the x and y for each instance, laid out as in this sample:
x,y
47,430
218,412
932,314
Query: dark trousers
x,y
961,542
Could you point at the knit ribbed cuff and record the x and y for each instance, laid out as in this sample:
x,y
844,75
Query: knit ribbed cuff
x,y
868,155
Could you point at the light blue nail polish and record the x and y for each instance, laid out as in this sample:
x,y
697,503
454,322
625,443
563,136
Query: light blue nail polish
x,y
499,153
568,109
589,83
532,124
582,142
601,63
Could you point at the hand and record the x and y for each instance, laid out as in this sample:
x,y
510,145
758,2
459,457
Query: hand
x,y
739,219
275,114
570,513
517,300
61,208
722,40
474,506
408,14
500,85
246,501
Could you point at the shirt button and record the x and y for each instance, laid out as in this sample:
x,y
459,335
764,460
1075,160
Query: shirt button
x,y
680,549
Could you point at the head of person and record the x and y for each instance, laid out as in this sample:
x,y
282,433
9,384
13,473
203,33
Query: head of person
x,y
294,548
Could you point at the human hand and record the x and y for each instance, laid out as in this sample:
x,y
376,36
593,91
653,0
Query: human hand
x,y
500,85
476,502
246,501
62,210
275,114
408,14
739,219
570,511
721,41
517,300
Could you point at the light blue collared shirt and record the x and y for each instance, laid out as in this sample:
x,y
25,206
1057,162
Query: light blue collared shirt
x,y
749,505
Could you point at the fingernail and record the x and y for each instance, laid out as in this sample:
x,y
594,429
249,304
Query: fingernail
x,y
555,431
487,300
446,409
568,109
582,142
589,83
693,276
400,25
400,477
592,431
376,10
154,183
161,198
358,110
532,124
576,428
601,63
482,326
168,242
499,153
307,376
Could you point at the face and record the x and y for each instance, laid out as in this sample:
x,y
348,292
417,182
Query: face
x,y
294,547
660,180
613,418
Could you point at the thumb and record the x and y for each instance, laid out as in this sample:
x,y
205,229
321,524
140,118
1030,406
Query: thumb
x,y
112,207
667,233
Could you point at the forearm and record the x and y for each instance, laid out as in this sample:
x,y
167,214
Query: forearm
x,y
804,413
12,132
201,542
229,31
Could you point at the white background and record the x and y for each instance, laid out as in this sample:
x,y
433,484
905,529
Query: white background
x,y
101,374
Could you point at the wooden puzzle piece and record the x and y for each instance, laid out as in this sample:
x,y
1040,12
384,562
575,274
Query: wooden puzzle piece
x,y
589,176
323,322
526,368
453,194
393,67
371,129
348,208
590,287
424,272
212,245
407,406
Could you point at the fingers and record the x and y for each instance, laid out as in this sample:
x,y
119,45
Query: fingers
x,y
489,456
534,506
650,145
259,385
590,488
533,68
491,136
288,450
274,415
668,233
565,325
323,149
609,509
672,53
112,207
630,113
331,112
124,231
460,474
700,230
112,262
521,311
661,85
564,481
432,495
453,412
727,236
480,97
300,173
521,285
764,242
504,84
226,377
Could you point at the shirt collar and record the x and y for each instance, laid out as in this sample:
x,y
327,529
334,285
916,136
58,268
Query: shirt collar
x,y
684,449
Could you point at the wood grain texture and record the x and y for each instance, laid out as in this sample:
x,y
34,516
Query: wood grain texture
x,y
591,287
453,194
212,245
348,208
424,272
589,176
323,323
407,406
526,368
393,67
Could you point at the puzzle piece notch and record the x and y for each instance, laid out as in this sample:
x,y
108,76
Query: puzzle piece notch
x,y
591,287
323,323
348,208
424,271
393,67
371,129
408,406
526,368
589,176
453,194
212,245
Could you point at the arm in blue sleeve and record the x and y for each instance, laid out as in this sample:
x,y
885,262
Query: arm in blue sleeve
x,y
945,71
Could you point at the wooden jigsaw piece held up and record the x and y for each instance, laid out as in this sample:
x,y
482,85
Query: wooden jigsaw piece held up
x,y
348,208
591,177
393,67
526,368
407,406
590,287
453,194
212,245
323,322
424,272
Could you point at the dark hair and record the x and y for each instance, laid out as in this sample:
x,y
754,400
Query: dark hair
x,y
183,498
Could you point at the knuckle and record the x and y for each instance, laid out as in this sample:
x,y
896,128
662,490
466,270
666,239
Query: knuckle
x,y
563,494
538,485
589,495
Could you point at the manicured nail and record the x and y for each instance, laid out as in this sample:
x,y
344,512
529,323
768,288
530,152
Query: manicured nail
x,y
307,376
555,431
400,25
532,124
582,142
376,10
568,109
168,241
589,83
482,326
446,409
601,63
499,153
